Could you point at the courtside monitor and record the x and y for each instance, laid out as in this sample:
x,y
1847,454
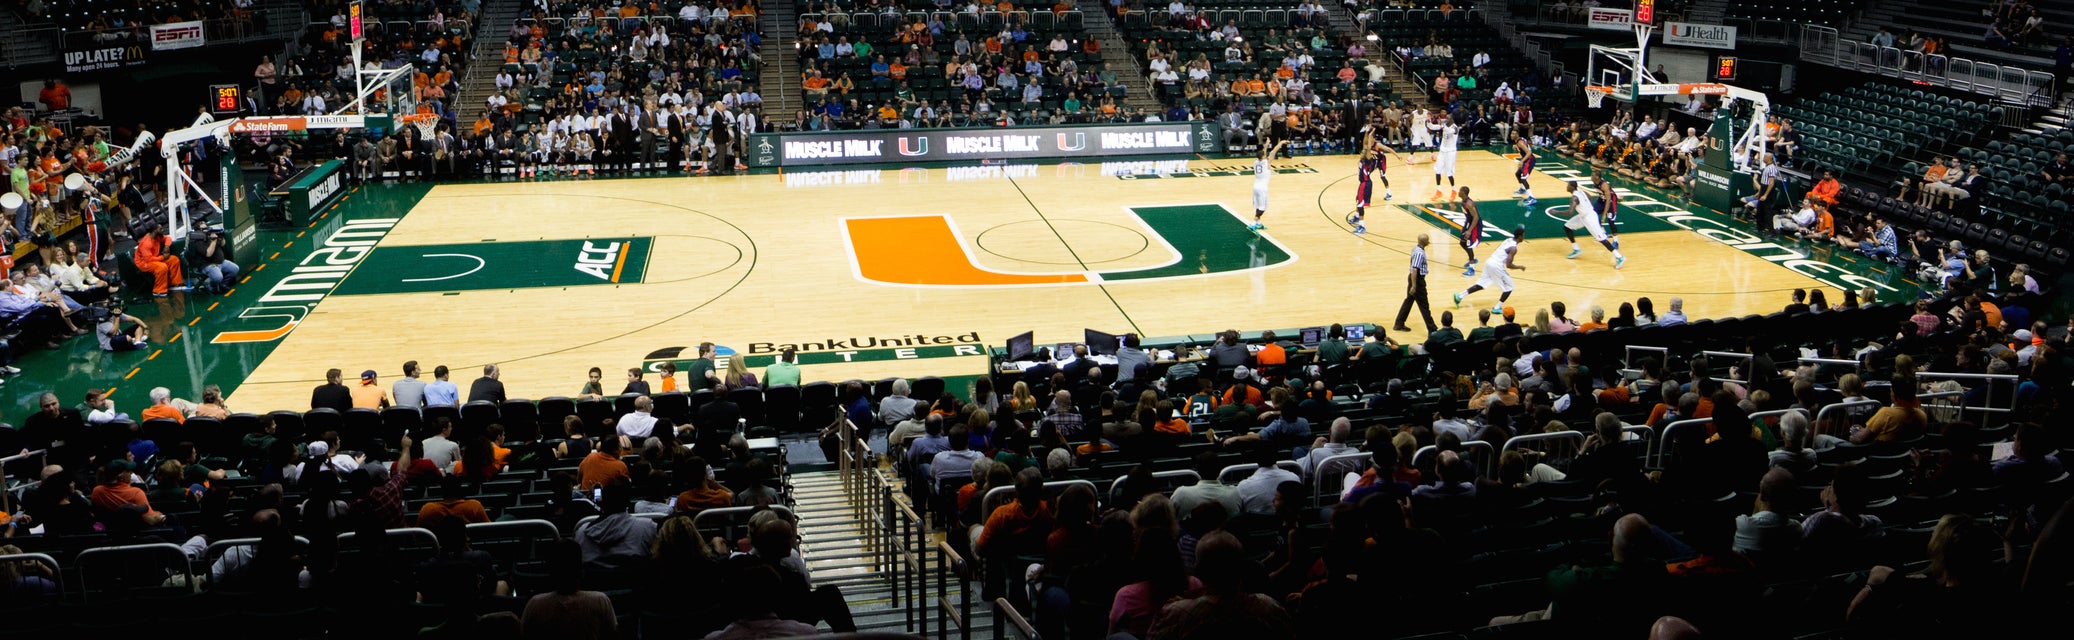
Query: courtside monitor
x,y
1355,333
1313,335
1099,343
1022,347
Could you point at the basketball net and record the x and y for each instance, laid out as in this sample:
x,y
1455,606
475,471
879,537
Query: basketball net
x,y
1594,96
427,124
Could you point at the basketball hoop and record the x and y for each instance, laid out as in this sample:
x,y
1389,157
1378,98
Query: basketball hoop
x,y
427,124
1594,96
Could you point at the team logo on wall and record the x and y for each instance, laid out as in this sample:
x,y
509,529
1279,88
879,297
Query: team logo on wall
x,y
914,145
1079,142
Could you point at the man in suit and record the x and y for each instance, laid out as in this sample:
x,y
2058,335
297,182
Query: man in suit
x,y
722,159
622,139
674,124
649,129
487,387
367,163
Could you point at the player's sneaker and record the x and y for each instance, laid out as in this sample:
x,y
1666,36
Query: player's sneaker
x,y
1387,196
1458,301
1360,229
1529,201
1574,253
1256,226
1498,309
1469,271
1618,262
1354,218
1519,192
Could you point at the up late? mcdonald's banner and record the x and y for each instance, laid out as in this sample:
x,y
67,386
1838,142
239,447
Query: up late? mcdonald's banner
x,y
822,148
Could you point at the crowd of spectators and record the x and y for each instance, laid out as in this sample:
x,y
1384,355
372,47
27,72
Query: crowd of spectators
x,y
1644,149
1425,495
2014,24
625,490
882,67
133,15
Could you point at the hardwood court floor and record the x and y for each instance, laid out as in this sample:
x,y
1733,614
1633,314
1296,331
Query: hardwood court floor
x,y
551,278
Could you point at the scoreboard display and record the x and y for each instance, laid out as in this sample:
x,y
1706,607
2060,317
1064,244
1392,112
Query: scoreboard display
x,y
1645,11
1725,68
353,20
226,99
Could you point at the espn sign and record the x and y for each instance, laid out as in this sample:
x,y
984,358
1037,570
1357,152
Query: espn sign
x,y
1610,19
1711,36
177,35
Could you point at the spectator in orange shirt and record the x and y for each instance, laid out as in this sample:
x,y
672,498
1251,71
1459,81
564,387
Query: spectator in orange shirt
x,y
1256,87
1597,322
701,491
55,96
1270,354
602,467
1018,528
1241,87
153,257
453,503
162,408
1827,189
115,493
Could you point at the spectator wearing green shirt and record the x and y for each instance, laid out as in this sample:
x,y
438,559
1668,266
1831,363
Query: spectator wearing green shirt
x,y
1334,349
1483,330
700,373
784,370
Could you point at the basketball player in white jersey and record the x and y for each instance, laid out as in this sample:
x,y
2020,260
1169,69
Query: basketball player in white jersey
x,y
1421,136
1584,216
1374,159
1260,175
1497,271
1444,157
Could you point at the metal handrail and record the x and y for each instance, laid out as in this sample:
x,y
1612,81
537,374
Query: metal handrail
x,y
1987,398
908,565
948,562
1005,616
1627,355
1574,437
1351,462
1487,463
169,550
57,573
2031,88
1171,474
1663,444
1822,416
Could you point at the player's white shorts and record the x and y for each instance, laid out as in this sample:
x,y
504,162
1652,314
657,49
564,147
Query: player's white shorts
x,y
1588,222
1495,277
1420,138
1260,198
1444,164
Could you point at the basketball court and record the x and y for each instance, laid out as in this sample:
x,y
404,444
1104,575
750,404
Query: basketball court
x,y
882,272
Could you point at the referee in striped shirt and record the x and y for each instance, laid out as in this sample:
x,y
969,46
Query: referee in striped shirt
x,y
1415,289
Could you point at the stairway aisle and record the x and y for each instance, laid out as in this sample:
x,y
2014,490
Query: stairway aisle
x,y
1116,52
832,540
778,80
1399,84
492,29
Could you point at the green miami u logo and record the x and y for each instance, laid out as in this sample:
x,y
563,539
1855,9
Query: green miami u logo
x,y
927,251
